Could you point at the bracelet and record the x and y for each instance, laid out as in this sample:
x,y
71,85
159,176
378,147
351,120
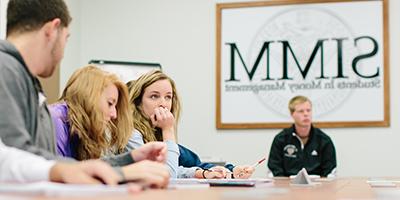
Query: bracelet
x,y
203,173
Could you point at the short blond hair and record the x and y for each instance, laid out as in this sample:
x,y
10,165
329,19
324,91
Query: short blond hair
x,y
297,100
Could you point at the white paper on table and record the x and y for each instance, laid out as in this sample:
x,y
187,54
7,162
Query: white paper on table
x,y
381,182
59,189
187,183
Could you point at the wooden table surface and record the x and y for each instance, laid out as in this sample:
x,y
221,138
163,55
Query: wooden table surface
x,y
279,189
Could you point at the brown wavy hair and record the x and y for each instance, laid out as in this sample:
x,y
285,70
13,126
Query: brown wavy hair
x,y
81,94
140,121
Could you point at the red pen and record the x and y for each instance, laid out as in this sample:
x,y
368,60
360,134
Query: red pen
x,y
252,166
258,162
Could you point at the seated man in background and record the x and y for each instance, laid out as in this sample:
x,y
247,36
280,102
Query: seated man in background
x,y
302,145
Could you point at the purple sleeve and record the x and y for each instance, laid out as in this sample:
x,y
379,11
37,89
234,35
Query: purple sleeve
x,y
59,116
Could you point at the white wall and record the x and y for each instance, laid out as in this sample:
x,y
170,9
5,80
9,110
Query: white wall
x,y
3,17
73,51
180,34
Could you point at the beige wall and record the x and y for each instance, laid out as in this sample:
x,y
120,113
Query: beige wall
x,y
51,86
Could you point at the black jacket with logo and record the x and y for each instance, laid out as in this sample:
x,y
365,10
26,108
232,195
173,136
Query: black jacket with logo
x,y
287,156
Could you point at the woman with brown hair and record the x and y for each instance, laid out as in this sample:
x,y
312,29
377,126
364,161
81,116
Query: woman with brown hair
x,y
156,110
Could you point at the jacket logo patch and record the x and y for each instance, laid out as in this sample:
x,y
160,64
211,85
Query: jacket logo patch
x,y
290,151
314,153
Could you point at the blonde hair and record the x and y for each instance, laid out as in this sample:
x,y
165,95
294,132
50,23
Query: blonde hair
x,y
81,94
297,100
136,90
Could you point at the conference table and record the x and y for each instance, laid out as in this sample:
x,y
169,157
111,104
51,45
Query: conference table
x,y
279,189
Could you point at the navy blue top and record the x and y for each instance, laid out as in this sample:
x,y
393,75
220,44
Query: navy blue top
x,y
188,158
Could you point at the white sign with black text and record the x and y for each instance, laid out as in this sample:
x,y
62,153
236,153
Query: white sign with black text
x,y
269,52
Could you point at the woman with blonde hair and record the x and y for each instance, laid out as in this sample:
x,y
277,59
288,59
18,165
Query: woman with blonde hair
x,y
85,118
93,119
156,110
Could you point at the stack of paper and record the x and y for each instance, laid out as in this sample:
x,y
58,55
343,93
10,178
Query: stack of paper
x,y
378,182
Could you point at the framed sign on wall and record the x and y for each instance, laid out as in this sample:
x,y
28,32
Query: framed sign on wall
x,y
334,52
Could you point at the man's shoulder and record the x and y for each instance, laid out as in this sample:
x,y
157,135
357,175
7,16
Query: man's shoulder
x,y
9,64
15,78
284,133
11,68
319,133
8,55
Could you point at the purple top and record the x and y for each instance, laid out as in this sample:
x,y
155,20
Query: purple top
x,y
66,146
